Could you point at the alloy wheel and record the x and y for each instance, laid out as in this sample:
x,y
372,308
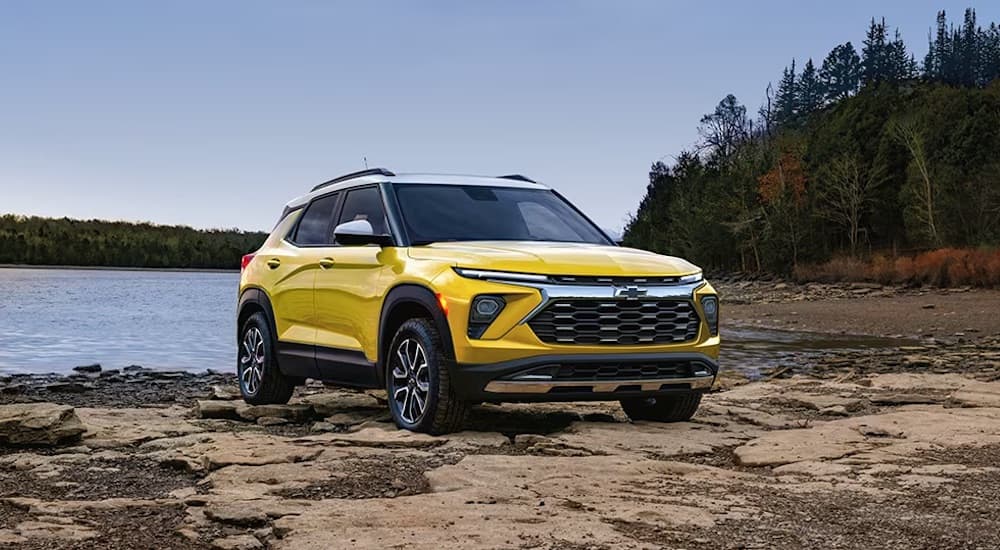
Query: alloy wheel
x,y
411,381
252,360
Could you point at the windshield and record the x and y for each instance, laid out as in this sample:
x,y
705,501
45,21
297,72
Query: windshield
x,y
436,213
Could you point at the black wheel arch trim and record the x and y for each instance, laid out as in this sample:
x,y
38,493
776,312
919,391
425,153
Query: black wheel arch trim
x,y
258,297
411,293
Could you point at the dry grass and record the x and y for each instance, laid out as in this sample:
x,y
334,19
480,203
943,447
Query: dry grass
x,y
946,267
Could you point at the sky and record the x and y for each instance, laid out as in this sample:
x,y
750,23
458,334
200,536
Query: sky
x,y
214,114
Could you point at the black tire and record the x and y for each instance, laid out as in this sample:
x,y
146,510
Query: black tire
x,y
273,387
443,411
663,408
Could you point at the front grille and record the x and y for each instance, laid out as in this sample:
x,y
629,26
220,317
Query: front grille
x,y
623,371
616,322
616,281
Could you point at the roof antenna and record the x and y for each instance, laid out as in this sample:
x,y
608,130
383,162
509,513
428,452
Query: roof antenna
x,y
365,159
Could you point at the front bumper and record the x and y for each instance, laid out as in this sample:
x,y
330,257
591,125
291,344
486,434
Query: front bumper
x,y
544,378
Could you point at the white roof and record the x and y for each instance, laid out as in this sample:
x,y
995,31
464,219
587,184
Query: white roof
x,y
404,179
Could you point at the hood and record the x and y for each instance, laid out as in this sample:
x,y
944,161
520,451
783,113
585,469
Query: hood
x,y
549,258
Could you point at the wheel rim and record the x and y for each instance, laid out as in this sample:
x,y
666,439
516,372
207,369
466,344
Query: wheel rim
x,y
252,360
410,381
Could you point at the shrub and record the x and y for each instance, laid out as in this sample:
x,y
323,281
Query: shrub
x,y
943,268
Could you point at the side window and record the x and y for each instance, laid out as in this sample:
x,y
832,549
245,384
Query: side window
x,y
365,204
314,227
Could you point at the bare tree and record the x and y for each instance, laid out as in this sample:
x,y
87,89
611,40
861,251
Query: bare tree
x,y
848,192
911,135
766,111
725,128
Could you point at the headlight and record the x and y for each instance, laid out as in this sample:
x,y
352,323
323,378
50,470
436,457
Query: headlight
x,y
694,278
483,311
500,275
710,306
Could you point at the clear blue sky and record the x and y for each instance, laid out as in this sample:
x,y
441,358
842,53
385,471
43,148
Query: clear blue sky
x,y
214,114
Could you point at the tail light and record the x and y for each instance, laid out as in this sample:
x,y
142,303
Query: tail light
x,y
246,260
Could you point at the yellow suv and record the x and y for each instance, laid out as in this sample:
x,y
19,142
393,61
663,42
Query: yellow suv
x,y
447,291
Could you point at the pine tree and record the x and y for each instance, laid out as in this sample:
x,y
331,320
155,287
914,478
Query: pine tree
x,y
810,92
939,50
874,54
840,75
899,65
968,51
884,60
990,40
786,101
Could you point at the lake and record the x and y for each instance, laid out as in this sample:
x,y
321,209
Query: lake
x,y
52,320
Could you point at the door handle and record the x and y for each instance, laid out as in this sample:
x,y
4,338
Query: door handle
x,y
273,263
326,263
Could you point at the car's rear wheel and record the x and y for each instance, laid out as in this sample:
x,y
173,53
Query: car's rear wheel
x,y
663,408
261,382
421,397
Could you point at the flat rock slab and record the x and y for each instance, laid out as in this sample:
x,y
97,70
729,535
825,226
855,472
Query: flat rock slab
x,y
234,514
379,435
237,542
346,405
54,532
653,437
978,394
39,424
876,436
826,441
122,427
212,451
817,402
897,399
219,409
333,402
296,412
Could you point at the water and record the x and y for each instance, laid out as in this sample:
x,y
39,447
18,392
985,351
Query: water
x,y
52,320
752,350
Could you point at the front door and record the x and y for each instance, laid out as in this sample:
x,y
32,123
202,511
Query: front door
x,y
348,294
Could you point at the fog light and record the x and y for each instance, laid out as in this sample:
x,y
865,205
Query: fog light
x,y
486,308
710,306
483,312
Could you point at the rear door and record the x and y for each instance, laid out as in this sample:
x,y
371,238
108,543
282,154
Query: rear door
x,y
292,269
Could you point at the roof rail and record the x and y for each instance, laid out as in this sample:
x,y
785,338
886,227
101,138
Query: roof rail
x,y
352,175
517,177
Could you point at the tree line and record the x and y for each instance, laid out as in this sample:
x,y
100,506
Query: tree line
x,y
871,151
47,241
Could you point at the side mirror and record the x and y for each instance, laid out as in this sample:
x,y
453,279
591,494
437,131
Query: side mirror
x,y
359,233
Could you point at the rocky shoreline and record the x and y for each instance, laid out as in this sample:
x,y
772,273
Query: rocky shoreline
x,y
132,386
894,446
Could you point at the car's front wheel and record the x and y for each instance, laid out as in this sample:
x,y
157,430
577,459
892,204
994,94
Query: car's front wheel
x,y
261,382
663,408
421,397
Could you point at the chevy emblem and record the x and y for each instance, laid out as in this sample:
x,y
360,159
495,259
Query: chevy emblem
x,y
630,292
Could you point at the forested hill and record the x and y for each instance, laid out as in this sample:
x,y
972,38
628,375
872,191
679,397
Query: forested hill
x,y
46,241
867,154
